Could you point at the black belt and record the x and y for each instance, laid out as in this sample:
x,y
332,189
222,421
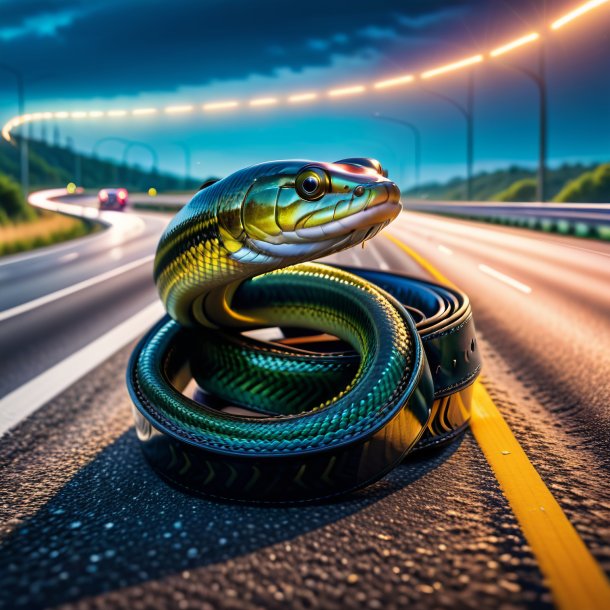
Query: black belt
x,y
443,319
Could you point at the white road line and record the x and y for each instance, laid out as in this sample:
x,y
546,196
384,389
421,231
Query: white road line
x,y
374,250
64,292
505,278
121,226
355,256
467,227
14,259
66,258
444,249
28,398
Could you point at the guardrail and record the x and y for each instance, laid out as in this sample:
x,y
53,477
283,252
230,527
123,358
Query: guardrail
x,y
166,204
582,220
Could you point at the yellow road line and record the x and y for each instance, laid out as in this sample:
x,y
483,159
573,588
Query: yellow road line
x,y
573,576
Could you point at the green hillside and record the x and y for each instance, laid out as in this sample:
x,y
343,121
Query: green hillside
x,y
493,186
590,187
53,166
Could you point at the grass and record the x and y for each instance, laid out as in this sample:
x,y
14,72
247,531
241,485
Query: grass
x,y
48,229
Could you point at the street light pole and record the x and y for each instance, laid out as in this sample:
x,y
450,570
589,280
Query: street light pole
x,y
541,82
470,134
96,146
416,141
23,141
150,149
129,144
187,162
539,79
78,178
467,111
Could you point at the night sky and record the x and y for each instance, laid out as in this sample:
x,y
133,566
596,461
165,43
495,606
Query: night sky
x,y
104,54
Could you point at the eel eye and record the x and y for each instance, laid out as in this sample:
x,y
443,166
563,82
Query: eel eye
x,y
312,184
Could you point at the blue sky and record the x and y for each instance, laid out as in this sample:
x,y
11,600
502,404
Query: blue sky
x,y
98,54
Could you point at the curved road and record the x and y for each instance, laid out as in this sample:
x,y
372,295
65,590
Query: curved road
x,y
87,525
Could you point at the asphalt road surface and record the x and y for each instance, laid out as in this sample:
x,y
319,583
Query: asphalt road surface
x,y
86,524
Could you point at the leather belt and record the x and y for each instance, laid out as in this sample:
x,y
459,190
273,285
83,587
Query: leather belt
x,y
435,411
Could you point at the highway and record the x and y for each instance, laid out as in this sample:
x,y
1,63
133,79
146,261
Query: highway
x,y
35,339
86,524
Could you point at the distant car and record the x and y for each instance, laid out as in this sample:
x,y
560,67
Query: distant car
x,y
112,199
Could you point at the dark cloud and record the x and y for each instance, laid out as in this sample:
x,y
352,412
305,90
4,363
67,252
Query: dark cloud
x,y
17,13
78,48
110,47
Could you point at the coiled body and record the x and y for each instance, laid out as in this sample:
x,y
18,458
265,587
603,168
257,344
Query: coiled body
x,y
234,259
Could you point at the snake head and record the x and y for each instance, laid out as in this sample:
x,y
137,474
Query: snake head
x,y
301,210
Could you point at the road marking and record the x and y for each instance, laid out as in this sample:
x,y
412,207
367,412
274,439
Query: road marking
x,y
444,249
505,278
483,227
14,259
64,292
420,260
573,576
573,247
119,225
66,258
373,249
28,398
355,256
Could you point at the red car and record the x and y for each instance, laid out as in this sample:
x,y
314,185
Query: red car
x,y
112,199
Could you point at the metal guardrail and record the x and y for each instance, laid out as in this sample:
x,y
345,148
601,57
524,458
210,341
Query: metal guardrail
x,y
582,220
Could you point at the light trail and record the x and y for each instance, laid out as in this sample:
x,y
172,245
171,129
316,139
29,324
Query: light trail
x,y
577,12
212,106
179,109
144,111
515,44
264,101
354,90
296,98
302,97
394,82
456,65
